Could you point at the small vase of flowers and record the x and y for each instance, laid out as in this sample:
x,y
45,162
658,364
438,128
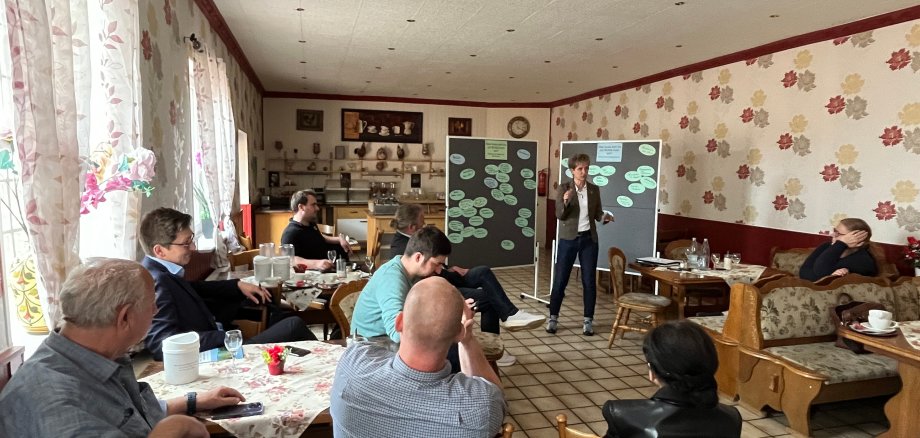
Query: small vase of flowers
x,y
274,357
912,253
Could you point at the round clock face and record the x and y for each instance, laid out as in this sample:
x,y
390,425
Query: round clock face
x,y
518,127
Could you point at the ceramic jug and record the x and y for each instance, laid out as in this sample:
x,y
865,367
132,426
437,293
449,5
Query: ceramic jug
x,y
361,125
407,127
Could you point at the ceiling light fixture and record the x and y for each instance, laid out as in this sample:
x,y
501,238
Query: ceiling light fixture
x,y
196,44
509,30
391,48
472,56
510,77
679,46
299,9
546,62
598,39
447,72
679,4
774,16
411,20
303,62
302,41
379,67
616,66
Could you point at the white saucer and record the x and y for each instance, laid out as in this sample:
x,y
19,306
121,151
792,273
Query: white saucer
x,y
866,328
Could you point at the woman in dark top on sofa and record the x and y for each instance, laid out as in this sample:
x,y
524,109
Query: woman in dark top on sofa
x,y
847,252
682,361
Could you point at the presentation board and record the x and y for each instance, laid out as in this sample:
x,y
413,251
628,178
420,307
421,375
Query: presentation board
x,y
626,172
491,201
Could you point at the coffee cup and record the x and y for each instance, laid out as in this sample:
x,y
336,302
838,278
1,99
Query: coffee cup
x,y
880,319
299,276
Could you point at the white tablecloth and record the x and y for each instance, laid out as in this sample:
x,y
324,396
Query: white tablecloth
x,y
292,400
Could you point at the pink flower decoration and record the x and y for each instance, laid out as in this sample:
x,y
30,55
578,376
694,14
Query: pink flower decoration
x,y
835,105
885,211
830,172
891,136
780,203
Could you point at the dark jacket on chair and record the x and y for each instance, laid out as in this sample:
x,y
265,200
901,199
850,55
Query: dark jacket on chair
x,y
669,414
181,307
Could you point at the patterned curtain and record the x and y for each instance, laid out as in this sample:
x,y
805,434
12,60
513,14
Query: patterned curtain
x,y
74,75
214,134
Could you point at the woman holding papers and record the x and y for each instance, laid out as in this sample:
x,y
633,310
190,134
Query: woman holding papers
x,y
578,207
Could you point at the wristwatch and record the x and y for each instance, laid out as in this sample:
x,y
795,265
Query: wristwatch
x,y
191,402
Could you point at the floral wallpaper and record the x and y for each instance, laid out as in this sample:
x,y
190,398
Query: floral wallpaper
x,y
793,140
164,68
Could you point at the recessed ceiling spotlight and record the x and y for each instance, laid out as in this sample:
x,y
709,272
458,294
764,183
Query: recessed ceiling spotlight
x,y
679,46
616,66
299,9
472,56
546,62
485,89
598,39
538,92
303,62
302,41
367,82
774,16
510,77
410,20
509,30
415,94
379,67
429,85
571,82
679,4
305,88
447,72
303,77
391,48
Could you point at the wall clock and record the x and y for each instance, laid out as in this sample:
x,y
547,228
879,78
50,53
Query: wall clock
x,y
518,127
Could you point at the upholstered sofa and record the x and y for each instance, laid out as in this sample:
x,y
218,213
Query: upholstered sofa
x,y
791,260
786,354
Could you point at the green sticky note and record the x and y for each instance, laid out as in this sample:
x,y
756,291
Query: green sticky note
x,y
507,245
625,201
632,175
530,184
498,195
645,170
648,182
457,195
491,169
506,188
476,221
594,169
454,212
527,232
457,159
467,174
502,177
455,225
523,154
486,213
455,238
521,222
468,232
490,182
608,170
636,188
647,149
480,233
496,150
480,202
466,203
510,199
525,213
526,173
504,168
468,212
600,181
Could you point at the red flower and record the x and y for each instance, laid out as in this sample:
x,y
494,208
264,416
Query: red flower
x,y
714,92
899,59
584,116
780,203
886,212
747,115
660,102
599,132
145,44
750,61
830,172
841,40
711,145
785,141
636,128
891,136
790,78
617,110
684,122
835,105
707,197
743,171
681,171
686,77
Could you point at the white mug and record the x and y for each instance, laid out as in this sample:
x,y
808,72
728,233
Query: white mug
x,y
880,319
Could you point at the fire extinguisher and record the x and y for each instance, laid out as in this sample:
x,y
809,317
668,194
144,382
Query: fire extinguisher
x,y
542,180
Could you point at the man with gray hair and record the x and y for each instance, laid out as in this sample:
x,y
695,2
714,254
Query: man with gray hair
x,y
80,381
372,383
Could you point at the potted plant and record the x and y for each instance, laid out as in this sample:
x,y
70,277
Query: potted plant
x,y
912,253
274,357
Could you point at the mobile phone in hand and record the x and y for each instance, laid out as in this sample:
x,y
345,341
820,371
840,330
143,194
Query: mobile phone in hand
x,y
236,411
299,352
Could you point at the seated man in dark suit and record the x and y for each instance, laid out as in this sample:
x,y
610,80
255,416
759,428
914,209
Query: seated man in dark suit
x,y
184,306
478,283
310,245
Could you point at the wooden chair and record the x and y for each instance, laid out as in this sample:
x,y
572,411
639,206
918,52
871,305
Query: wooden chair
x,y
568,432
342,303
328,230
697,298
632,301
383,248
675,249
11,358
245,241
243,259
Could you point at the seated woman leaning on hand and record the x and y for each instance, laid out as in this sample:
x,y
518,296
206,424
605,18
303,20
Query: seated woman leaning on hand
x,y
847,252
682,361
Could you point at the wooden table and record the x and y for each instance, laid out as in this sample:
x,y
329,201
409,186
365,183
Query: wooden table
x,y
674,284
906,403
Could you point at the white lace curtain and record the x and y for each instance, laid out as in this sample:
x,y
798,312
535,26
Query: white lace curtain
x,y
214,139
75,87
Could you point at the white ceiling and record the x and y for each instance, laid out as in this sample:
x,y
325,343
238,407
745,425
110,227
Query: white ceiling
x,y
347,49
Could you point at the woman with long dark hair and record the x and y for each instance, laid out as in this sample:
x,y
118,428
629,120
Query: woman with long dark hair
x,y
682,361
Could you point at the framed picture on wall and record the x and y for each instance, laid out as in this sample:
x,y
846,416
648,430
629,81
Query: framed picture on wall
x,y
274,179
381,126
461,127
309,120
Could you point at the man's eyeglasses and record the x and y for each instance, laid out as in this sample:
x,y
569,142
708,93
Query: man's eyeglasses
x,y
190,243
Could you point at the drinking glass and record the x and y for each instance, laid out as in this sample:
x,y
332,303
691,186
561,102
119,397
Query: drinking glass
x,y
369,262
233,340
267,249
736,258
332,255
716,258
287,249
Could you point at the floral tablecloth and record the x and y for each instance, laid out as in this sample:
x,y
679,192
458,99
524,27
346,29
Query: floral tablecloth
x,y
739,273
292,400
911,331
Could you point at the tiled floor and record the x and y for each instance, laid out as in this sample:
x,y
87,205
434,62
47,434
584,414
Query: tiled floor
x,y
575,374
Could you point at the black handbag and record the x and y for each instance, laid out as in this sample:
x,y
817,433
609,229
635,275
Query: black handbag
x,y
846,314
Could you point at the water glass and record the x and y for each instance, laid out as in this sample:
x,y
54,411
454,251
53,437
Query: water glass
x,y
369,262
287,250
267,249
716,259
736,258
332,255
340,269
693,260
233,340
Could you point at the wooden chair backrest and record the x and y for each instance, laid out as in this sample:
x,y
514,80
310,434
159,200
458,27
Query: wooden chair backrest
x,y
675,249
328,230
243,258
11,358
568,432
342,303
617,270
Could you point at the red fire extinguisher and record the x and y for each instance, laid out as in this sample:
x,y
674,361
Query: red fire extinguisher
x,y
542,180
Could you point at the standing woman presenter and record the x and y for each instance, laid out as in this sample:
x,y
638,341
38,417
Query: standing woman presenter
x,y
578,207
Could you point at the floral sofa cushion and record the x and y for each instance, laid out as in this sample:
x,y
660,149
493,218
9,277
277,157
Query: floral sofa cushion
x,y
907,300
795,312
348,305
712,324
838,364
790,260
